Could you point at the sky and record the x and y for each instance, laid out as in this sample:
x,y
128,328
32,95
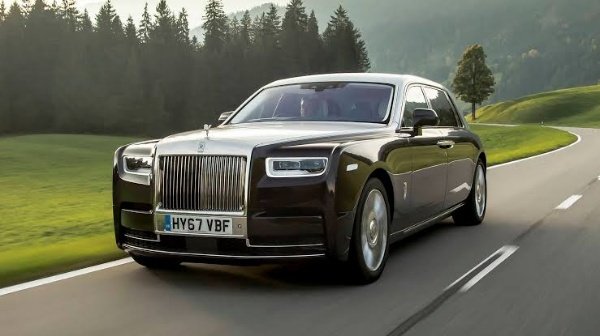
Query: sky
x,y
195,8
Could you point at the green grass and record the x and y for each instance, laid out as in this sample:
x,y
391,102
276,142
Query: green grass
x,y
577,107
504,144
55,205
56,201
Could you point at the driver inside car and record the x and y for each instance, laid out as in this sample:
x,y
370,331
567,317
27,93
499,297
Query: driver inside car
x,y
311,108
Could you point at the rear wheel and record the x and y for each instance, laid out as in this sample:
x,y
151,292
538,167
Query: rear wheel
x,y
156,262
473,211
370,243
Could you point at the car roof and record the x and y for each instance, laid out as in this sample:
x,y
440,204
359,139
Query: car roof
x,y
383,78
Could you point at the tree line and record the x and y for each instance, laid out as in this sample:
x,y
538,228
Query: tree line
x,y
61,71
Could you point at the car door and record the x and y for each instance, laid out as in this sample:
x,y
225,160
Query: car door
x,y
428,180
457,144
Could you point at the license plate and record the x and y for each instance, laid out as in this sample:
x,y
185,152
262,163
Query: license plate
x,y
198,225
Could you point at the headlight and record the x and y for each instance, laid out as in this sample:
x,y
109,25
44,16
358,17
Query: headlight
x,y
138,164
296,167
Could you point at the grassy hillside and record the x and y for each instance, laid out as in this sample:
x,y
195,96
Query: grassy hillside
x,y
570,107
56,203
504,144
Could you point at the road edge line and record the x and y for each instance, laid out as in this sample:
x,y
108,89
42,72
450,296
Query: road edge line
x,y
63,276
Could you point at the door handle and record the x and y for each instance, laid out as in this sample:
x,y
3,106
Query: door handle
x,y
446,144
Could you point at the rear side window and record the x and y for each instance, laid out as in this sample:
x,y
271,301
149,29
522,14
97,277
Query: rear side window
x,y
440,104
414,100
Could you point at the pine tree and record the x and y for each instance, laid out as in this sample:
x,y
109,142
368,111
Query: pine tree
x,y
106,20
2,11
270,29
314,45
234,29
145,25
245,34
117,27
69,13
12,83
43,33
267,48
131,32
15,22
183,28
474,81
85,22
294,28
344,47
163,28
215,26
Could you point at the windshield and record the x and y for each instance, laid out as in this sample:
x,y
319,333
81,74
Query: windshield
x,y
354,102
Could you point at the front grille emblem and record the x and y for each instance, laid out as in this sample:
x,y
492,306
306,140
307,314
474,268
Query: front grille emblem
x,y
201,147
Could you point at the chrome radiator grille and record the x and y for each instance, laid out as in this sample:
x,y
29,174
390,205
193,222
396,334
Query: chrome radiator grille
x,y
202,183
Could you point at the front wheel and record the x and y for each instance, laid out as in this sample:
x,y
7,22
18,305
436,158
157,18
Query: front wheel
x,y
370,243
473,211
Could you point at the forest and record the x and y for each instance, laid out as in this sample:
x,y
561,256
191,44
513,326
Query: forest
x,y
62,71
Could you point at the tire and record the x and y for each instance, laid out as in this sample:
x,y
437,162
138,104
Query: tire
x,y
156,262
370,238
473,211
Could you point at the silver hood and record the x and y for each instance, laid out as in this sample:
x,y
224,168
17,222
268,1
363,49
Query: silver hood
x,y
242,139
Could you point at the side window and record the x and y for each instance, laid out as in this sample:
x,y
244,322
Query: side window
x,y
414,100
440,104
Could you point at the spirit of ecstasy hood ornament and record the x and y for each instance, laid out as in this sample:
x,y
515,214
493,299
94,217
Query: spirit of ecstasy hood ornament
x,y
207,129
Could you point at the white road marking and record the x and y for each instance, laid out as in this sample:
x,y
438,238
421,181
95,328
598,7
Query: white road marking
x,y
540,155
569,202
474,269
504,251
64,276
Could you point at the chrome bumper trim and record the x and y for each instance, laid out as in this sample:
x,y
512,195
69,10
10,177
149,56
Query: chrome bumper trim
x,y
227,256
157,240
282,246
139,212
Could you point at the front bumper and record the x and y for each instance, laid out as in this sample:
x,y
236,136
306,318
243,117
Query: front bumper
x,y
141,232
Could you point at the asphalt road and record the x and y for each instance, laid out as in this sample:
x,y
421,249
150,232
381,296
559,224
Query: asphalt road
x,y
549,285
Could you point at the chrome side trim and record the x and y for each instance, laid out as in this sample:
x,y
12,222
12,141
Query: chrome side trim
x,y
429,221
283,246
227,256
157,240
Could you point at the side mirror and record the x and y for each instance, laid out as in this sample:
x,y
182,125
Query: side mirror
x,y
225,115
424,117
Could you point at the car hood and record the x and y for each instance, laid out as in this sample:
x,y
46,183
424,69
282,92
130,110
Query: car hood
x,y
241,139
